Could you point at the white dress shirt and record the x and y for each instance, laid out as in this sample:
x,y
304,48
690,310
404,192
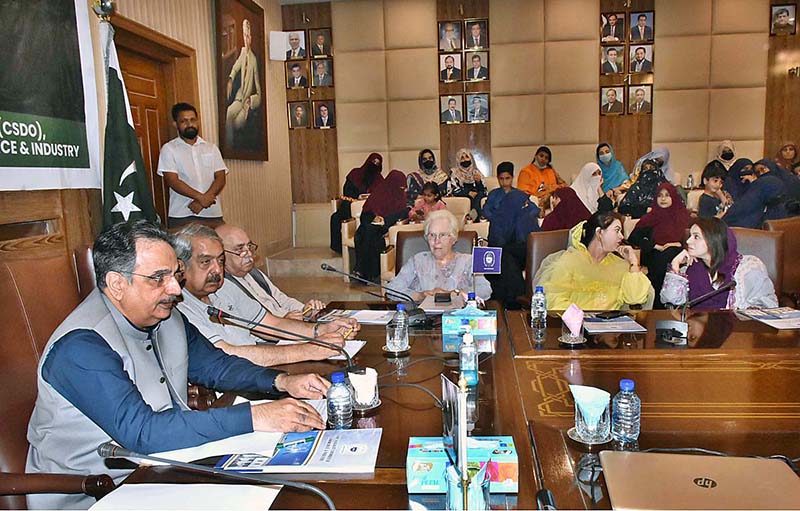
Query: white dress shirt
x,y
195,166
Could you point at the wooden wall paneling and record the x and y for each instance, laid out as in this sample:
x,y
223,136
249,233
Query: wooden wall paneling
x,y
630,135
313,153
475,137
462,9
83,216
32,225
782,107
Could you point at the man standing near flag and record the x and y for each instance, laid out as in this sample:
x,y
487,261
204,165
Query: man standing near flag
x,y
194,171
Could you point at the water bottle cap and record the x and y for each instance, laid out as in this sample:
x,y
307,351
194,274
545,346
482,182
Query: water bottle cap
x,y
337,377
539,288
401,306
626,385
470,296
464,321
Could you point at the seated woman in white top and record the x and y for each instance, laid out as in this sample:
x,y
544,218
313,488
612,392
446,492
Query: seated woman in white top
x,y
440,270
710,261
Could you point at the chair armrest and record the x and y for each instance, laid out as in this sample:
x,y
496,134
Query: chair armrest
x,y
200,398
334,205
23,484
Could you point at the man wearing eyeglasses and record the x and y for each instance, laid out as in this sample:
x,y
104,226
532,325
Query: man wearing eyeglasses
x,y
118,369
201,250
241,271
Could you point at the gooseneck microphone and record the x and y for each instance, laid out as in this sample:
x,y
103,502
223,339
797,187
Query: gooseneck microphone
x,y
416,316
111,450
728,285
220,315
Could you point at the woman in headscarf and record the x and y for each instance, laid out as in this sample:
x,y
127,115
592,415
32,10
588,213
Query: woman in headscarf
x,y
588,185
615,177
787,156
661,157
385,206
428,172
567,210
765,198
710,261
734,184
467,181
726,152
539,178
359,181
643,192
659,233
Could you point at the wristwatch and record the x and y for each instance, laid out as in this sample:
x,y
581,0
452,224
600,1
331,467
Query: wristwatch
x,y
274,387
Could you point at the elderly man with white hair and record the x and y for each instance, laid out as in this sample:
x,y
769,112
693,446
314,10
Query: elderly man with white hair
x,y
440,270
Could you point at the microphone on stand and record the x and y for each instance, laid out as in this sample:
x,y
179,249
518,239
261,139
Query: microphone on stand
x,y
676,332
416,316
111,450
214,312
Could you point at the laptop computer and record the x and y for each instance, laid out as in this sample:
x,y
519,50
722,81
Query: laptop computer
x,y
639,481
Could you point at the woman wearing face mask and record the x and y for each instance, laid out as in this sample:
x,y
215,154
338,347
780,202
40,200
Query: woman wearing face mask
x,y
540,178
467,181
734,184
590,273
787,156
359,181
661,157
726,154
428,172
615,179
659,233
643,192
711,261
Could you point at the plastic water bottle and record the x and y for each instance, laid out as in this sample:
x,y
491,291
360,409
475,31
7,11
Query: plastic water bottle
x,y
690,182
471,301
397,330
340,403
539,314
468,357
626,415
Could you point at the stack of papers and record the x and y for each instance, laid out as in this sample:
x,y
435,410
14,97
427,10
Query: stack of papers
x,y
365,317
351,346
782,318
235,497
622,324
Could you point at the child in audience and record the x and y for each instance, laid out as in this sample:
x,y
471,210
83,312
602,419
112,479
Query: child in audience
x,y
429,200
714,201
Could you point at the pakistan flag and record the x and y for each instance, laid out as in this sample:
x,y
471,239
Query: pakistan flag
x,y
126,189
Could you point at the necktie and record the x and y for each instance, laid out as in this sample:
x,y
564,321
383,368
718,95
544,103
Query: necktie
x,y
475,41
452,115
449,73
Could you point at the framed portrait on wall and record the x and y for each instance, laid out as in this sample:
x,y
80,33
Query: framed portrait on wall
x,y
643,26
320,43
449,35
296,40
322,70
298,114
612,27
477,63
451,108
450,67
477,108
296,74
611,100
612,60
476,34
241,79
640,99
783,19
324,115
641,59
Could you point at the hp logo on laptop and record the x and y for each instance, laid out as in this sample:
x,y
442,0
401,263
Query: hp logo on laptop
x,y
705,482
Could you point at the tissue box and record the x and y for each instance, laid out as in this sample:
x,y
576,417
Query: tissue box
x,y
427,461
482,324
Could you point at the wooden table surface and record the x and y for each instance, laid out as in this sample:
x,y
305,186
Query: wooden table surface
x,y
735,388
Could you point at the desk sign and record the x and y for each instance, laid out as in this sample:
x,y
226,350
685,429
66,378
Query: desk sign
x,y
486,260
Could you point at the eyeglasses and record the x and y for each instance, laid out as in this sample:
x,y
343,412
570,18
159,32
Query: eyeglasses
x,y
161,278
434,236
242,251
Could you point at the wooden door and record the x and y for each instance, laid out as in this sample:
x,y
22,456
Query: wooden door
x,y
144,79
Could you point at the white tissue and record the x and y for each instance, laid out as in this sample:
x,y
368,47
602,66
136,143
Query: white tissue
x,y
591,401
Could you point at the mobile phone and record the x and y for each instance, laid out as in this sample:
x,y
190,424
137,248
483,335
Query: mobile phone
x,y
442,298
610,314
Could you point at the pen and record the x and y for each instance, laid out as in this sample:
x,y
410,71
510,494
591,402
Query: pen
x,y
348,332
305,311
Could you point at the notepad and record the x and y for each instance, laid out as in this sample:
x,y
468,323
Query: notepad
x,y
365,317
619,325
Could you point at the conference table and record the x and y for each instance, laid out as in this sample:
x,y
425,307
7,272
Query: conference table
x,y
735,388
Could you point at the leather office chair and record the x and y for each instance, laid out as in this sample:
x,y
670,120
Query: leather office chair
x,y
540,245
410,244
31,317
790,227
349,228
767,246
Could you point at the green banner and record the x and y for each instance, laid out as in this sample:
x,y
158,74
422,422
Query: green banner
x,y
36,141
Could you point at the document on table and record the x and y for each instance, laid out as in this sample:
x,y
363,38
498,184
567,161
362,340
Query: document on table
x,y
233,497
619,325
256,442
351,346
782,318
365,317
